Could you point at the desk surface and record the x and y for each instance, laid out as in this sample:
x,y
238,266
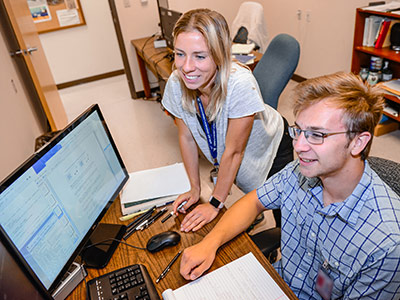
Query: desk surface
x,y
155,263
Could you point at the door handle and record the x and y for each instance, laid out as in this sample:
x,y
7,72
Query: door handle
x,y
18,52
31,49
23,51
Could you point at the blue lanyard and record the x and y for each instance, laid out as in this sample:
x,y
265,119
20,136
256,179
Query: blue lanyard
x,y
211,138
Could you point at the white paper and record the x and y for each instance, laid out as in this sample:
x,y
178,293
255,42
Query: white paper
x,y
242,48
384,7
244,278
68,17
160,184
393,84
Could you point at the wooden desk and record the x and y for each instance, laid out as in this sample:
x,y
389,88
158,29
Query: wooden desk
x,y
158,63
155,263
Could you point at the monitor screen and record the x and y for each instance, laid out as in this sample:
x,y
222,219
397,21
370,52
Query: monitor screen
x,y
15,283
52,203
168,19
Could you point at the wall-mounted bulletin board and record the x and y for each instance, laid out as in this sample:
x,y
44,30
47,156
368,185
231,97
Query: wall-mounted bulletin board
x,y
51,15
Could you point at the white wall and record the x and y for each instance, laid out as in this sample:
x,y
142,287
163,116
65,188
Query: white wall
x,y
137,21
84,51
326,39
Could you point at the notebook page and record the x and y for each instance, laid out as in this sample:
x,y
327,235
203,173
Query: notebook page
x,y
244,278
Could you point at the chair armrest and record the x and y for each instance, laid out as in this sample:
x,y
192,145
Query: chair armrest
x,y
268,241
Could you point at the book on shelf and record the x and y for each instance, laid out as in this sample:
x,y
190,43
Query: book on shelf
x,y
372,30
158,186
243,278
386,42
383,33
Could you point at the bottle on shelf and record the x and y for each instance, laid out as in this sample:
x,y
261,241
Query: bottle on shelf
x,y
387,74
364,73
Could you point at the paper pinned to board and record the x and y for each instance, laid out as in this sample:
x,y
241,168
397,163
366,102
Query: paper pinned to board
x,y
153,187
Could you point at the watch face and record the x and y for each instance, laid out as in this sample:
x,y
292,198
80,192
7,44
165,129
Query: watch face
x,y
216,203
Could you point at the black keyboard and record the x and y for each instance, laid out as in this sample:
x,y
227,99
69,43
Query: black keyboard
x,y
129,283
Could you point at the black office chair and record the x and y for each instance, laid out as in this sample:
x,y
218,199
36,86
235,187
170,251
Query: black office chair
x,y
269,240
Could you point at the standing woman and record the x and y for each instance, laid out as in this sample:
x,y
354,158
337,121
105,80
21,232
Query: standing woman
x,y
218,108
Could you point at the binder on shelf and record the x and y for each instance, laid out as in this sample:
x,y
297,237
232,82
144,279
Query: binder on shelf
x,y
158,186
374,24
366,32
382,34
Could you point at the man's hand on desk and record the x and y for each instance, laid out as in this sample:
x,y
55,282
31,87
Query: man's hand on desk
x,y
197,259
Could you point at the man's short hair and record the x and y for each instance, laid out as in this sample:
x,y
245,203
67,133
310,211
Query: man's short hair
x,y
362,104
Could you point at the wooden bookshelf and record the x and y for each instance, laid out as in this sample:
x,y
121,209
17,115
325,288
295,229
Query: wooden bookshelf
x,y
362,55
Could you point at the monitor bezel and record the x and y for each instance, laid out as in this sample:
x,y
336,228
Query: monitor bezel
x,y
13,261
30,162
177,14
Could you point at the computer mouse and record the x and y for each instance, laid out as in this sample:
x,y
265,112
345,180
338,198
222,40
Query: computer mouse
x,y
163,240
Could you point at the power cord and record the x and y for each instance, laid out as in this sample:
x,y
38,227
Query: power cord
x,y
116,240
145,43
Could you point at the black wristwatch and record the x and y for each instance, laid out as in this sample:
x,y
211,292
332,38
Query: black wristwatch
x,y
216,203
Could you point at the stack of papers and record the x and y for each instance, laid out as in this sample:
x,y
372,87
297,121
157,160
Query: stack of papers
x,y
159,186
388,7
392,86
242,48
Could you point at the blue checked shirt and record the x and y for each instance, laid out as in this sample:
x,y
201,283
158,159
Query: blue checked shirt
x,y
359,238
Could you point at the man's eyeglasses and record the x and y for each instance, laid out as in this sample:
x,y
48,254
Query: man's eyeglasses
x,y
313,137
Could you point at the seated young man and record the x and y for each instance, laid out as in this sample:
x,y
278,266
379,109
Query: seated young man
x,y
340,221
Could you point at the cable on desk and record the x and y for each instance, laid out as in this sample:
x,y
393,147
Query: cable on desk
x,y
165,51
155,64
145,43
112,239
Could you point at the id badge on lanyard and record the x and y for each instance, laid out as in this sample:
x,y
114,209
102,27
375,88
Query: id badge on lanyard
x,y
211,139
324,284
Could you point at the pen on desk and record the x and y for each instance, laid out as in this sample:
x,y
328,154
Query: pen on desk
x,y
166,270
172,212
140,219
130,216
135,225
154,218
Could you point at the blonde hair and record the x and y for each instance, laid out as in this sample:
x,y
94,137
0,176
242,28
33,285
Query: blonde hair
x,y
214,28
362,103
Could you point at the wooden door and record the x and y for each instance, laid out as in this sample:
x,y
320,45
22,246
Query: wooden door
x,y
36,62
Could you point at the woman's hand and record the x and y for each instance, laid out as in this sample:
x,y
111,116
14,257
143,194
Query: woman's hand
x,y
190,197
198,217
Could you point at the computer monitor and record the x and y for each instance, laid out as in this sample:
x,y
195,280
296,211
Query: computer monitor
x,y
53,203
168,19
15,283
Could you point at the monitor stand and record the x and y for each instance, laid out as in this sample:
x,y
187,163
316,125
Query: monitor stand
x,y
98,256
